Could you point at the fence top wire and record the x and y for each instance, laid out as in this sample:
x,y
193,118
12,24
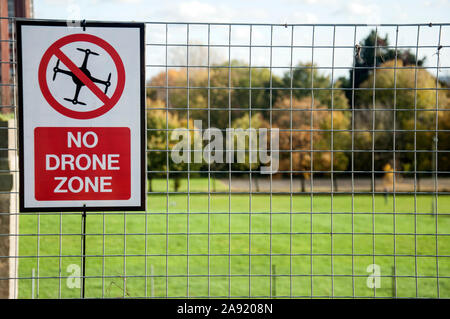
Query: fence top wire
x,y
286,25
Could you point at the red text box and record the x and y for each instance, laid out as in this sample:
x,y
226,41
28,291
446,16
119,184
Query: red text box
x,y
82,163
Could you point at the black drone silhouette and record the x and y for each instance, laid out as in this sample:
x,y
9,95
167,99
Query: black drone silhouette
x,y
79,84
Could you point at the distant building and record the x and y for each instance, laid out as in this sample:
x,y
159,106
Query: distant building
x,y
9,9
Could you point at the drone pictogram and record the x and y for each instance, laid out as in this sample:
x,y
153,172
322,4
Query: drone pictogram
x,y
79,84
82,76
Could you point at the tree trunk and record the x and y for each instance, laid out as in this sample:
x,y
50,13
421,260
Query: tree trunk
x,y
335,184
150,186
177,184
302,183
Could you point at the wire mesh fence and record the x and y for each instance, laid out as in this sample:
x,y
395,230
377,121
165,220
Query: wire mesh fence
x,y
351,203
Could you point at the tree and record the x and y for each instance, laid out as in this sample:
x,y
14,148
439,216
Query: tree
x,y
299,160
257,122
369,54
304,76
334,139
238,98
221,80
157,138
444,135
400,86
310,138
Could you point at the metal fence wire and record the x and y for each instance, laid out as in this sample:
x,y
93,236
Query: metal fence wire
x,y
355,203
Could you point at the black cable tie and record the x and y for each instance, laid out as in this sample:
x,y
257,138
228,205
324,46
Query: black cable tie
x,y
83,24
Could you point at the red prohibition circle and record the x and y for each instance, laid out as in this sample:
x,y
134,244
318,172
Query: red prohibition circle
x,y
55,49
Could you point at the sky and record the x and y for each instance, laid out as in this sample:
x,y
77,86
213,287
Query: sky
x,y
269,11
261,11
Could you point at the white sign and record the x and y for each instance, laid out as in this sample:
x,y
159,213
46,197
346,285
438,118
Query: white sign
x,y
81,116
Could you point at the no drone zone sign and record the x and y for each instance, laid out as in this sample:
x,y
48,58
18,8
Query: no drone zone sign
x,y
81,116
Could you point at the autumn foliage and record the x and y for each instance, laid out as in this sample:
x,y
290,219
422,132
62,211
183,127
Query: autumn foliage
x,y
322,129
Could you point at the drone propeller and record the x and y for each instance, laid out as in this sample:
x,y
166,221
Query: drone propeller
x,y
107,83
74,101
87,51
55,70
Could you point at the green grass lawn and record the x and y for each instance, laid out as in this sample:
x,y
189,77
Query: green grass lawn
x,y
230,252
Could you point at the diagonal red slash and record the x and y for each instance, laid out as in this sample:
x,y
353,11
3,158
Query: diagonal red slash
x,y
81,76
